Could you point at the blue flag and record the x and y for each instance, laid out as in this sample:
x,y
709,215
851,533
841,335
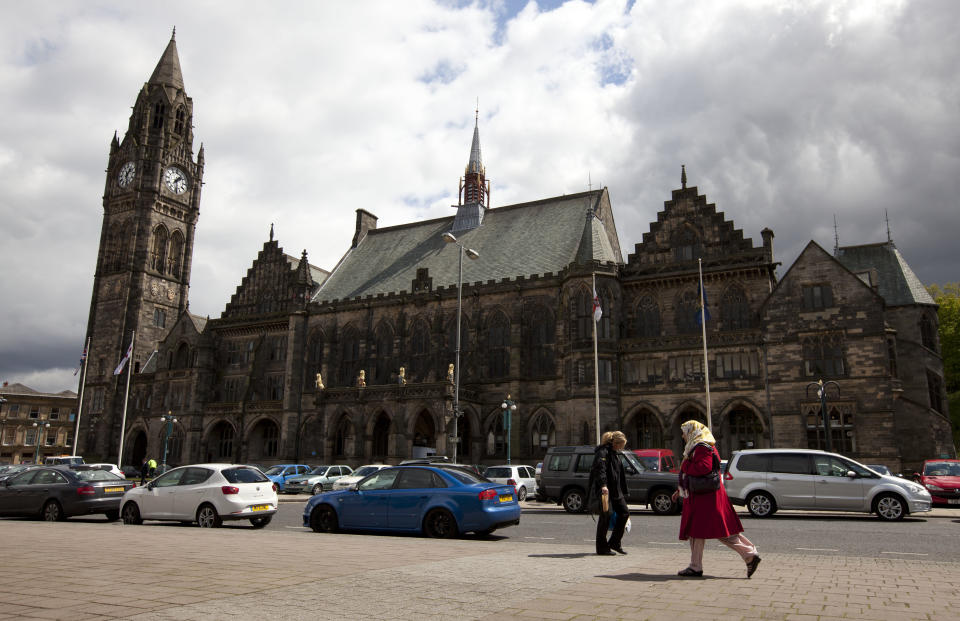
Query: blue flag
x,y
703,314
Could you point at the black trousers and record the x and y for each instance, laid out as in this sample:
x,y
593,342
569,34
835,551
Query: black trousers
x,y
619,505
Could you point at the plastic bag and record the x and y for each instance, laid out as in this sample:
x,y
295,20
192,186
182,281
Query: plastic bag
x,y
613,522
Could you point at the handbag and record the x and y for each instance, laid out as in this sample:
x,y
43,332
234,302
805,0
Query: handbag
x,y
707,483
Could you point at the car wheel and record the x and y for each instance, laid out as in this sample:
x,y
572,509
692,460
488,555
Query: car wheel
x,y
207,517
522,493
761,505
661,502
53,512
131,514
260,522
318,489
113,516
573,501
440,524
323,519
890,507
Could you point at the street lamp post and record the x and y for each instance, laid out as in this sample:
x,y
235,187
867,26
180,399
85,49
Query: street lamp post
x,y
822,394
39,427
508,407
169,420
473,254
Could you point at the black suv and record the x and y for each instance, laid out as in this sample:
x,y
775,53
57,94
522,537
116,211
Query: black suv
x,y
566,470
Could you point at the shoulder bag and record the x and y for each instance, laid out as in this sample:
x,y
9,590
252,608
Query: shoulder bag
x,y
707,483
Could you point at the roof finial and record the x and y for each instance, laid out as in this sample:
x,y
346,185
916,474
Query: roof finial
x,y
886,217
589,182
174,35
683,177
836,237
271,231
476,114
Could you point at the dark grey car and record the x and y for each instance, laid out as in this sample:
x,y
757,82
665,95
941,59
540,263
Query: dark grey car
x,y
58,492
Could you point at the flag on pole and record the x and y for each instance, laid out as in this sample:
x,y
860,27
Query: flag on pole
x,y
123,361
597,311
703,312
83,356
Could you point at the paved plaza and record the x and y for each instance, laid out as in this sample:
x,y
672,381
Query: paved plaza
x,y
84,571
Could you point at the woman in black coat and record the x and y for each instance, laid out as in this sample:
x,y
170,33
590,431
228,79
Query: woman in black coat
x,y
607,478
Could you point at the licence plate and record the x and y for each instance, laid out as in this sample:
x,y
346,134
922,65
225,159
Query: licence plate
x,y
260,508
507,498
953,501
112,490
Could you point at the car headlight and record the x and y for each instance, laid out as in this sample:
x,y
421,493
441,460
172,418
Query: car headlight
x,y
934,488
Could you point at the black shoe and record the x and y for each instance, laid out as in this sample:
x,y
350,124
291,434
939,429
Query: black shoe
x,y
690,573
618,549
606,553
752,565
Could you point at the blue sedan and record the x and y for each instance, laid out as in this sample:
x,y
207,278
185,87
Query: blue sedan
x,y
438,501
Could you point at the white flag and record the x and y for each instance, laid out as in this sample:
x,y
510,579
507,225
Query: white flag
x,y
123,361
597,311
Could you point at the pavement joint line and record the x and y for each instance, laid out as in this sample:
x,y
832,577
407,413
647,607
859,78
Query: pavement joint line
x,y
819,549
907,553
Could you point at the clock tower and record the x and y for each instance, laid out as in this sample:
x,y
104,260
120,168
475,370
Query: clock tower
x,y
151,202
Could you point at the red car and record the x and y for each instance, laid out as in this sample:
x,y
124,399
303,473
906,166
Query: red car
x,y
941,477
657,460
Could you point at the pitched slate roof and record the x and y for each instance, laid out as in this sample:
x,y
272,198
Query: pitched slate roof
x,y
518,240
896,282
19,389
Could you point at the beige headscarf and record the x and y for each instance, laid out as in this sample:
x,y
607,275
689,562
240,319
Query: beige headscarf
x,y
696,433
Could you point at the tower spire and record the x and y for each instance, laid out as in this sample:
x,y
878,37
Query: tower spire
x,y
474,188
683,176
167,70
836,237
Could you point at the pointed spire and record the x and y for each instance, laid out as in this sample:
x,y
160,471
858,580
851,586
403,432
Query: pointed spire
x,y
683,177
475,165
168,69
474,187
271,231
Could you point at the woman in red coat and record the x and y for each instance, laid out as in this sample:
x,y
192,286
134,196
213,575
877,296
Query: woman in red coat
x,y
708,515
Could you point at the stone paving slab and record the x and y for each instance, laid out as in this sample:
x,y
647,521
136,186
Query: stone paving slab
x,y
163,572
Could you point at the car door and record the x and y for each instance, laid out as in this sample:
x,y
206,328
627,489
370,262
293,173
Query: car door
x,y
409,496
44,485
156,503
190,492
368,506
791,480
528,479
833,488
636,485
14,493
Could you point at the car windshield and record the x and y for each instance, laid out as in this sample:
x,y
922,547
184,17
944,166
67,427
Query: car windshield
x,y
272,470
465,476
633,461
942,469
319,470
97,475
497,473
362,472
244,475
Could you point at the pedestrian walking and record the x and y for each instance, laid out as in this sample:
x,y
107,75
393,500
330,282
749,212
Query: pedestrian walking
x,y
144,471
707,512
609,481
152,464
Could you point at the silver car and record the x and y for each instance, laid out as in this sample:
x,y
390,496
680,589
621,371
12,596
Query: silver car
x,y
317,480
522,478
766,480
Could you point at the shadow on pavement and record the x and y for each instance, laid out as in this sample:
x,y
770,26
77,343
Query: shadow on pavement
x,y
661,577
567,555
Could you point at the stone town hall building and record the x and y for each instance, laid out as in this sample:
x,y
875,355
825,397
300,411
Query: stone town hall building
x,y
243,387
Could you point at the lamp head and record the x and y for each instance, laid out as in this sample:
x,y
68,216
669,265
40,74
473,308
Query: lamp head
x,y
473,254
449,238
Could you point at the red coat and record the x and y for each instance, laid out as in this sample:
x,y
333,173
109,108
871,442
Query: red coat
x,y
710,515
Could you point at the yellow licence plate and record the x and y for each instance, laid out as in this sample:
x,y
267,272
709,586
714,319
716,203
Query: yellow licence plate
x,y
111,490
260,508
507,498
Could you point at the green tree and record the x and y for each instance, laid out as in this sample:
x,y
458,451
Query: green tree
x,y
948,297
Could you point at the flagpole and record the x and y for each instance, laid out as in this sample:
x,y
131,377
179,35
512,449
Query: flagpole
x,y
126,396
596,369
703,327
83,380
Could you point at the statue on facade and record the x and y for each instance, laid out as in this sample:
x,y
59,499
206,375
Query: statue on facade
x,y
402,376
319,383
450,373
362,379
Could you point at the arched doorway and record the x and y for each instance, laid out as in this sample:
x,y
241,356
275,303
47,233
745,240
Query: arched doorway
x,y
139,451
465,445
424,435
381,438
743,431
645,431
543,434
220,443
343,437
264,440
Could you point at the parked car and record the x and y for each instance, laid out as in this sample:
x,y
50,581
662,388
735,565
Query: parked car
x,y
880,469
109,468
62,460
55,493
941,477
566,471
317,480
430,459
522,478
766,480
281,472
10,470
438,501
539,492
358,474
658,460
130,472
206,494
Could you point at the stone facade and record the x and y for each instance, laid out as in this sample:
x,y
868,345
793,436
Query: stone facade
x,y
34,425
356,365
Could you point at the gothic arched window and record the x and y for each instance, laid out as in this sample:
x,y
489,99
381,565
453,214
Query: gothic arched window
x,y
179,123
686,316
735,313
182,359
583,315
928,332
159,255
175,258
315,356
646,324
420,351
384,362
158,111
349,356
498,346
539,337
543,433
687,246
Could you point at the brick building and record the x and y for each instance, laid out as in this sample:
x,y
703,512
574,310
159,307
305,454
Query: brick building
x,y
355,365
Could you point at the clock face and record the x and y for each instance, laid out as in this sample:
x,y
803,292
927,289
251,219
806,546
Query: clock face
x,y
126,174
176,180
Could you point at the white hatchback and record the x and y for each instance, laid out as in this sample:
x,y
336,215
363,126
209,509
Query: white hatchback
x,y
522,478
203,493
359,474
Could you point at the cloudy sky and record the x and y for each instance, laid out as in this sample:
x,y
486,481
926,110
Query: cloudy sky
x,y
786,113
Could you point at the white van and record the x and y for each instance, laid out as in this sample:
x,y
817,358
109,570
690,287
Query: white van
x,y
62,460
